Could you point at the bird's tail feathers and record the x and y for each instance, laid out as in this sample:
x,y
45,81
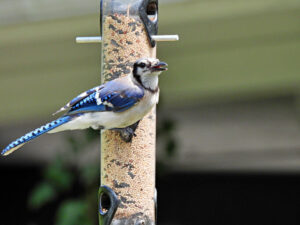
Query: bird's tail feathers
x,y
13,146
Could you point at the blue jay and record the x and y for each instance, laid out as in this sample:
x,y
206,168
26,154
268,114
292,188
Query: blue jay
x,y
117,104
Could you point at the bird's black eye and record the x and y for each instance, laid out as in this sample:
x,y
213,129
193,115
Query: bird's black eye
x,y
142,65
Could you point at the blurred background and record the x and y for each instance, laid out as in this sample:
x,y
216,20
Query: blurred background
x,y
228,146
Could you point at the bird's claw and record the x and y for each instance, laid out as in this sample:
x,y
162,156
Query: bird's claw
x,y
128,133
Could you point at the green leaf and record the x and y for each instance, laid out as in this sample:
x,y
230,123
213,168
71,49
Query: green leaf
x,y
42,194
73,212
171,147
59,175
168,125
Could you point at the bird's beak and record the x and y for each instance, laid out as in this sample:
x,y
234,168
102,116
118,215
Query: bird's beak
x,y
160,66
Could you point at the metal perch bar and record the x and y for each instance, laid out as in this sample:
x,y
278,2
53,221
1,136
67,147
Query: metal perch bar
x,y
98,39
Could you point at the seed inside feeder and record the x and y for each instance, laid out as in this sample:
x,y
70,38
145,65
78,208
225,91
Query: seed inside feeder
x,y
122,42
128,168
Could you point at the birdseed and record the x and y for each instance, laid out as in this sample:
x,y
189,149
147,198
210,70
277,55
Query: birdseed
x,y
128,168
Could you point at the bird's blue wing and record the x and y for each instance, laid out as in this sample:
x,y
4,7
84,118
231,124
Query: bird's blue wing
x,y
116,96
77,99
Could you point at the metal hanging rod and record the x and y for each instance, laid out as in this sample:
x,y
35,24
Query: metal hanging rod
x,y
81,40
98,39
165,37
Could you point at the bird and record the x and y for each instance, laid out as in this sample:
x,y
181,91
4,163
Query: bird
x,y
114,105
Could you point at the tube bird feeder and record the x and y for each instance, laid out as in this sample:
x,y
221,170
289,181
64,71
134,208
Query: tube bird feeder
x,y
129,168
127,194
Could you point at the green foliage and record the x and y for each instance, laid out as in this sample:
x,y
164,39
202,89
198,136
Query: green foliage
x,y
165,131
166,135
90,173
58,175
58,178
171,147
41,195
73,212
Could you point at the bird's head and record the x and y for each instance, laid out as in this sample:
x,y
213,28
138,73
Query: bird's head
x,y
148,66
146,71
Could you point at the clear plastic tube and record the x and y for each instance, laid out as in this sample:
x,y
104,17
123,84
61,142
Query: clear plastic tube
x,y
129,168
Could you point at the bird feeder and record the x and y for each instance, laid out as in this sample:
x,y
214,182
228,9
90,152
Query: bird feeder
x,y
127,194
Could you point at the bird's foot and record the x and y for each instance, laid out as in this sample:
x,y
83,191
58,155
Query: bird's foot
x,y
128,133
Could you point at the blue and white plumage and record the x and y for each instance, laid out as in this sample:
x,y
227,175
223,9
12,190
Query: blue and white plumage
x,y
116,104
